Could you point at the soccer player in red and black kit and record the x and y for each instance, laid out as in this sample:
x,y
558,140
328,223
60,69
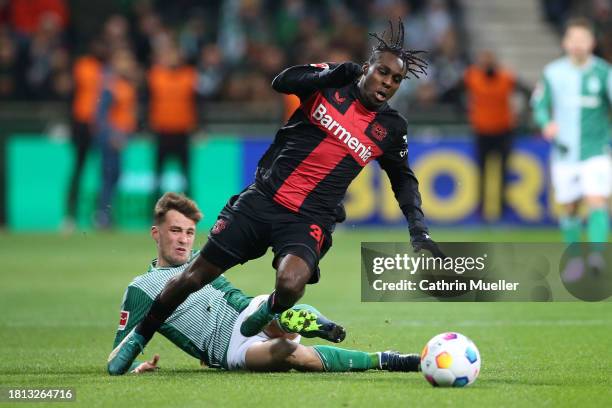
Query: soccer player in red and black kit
x,y
343,123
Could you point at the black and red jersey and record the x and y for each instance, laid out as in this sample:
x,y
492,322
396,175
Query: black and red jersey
x,y
326,143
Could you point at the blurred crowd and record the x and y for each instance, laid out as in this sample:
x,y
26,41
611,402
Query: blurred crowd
x,y
144,64
145,67
236,46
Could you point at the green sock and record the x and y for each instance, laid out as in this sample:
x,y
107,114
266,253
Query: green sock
x,y
598,225
570,229
336,359
303,306
257,321
263,309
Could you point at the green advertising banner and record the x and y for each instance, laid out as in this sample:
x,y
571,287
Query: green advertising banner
x,y
39,169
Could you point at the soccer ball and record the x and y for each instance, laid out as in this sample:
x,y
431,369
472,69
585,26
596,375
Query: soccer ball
x,y
450,360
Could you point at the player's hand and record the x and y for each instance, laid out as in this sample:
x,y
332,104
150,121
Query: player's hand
x,y
423,241
150,365
343,74
550,131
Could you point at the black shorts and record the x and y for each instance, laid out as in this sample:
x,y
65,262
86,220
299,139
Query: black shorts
x,y
250,223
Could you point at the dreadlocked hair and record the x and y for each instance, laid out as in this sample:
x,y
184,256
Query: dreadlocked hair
x,y
395,45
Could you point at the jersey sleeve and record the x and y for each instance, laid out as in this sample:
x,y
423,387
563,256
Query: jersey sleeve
x,y
135,305
133,309
609,85
541,102
301,80
404,183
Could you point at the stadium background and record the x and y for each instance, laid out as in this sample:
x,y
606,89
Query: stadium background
x,y
252,41
61,288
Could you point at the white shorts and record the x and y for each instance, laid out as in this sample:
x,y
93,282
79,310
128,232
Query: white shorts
x,y
236,352
572,181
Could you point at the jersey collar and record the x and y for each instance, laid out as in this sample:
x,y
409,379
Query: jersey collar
x,y
355,94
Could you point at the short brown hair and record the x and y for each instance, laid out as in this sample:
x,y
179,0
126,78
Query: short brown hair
x,y
177,202
581,22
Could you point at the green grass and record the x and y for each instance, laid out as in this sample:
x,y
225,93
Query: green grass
x,y
60,297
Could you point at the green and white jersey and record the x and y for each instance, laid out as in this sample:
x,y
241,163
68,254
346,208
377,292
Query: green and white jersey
x,y
201,326
578,99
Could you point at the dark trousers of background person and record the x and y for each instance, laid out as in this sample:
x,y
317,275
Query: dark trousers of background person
x,y
110,158
81,142
172,145
488,146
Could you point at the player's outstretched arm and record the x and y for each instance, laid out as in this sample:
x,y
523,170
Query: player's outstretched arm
x,y
406,189
303,80
541,100
133,308
424,241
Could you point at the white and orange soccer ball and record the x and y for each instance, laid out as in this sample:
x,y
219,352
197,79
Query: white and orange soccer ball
x,y
450,360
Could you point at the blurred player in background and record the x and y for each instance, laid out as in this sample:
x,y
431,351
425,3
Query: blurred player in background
x,y
572,106
343,123
207,324
172,87
87,76
490,88
115,121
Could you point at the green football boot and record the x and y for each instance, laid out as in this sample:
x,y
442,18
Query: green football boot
x,y
309,322
121,358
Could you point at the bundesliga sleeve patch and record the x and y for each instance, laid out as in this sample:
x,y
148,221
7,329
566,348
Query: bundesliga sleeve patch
x,y
404,152
320,65
123,319
219,226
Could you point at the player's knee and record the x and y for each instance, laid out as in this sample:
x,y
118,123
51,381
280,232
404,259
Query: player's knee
x,y
291,277
305,359
596,202
571,209
283,349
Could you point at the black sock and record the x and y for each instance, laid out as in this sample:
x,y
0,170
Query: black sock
x,y
275,305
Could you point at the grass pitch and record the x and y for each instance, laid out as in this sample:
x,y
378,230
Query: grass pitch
x,y
60,298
